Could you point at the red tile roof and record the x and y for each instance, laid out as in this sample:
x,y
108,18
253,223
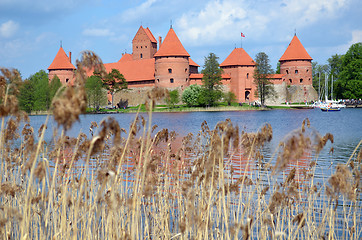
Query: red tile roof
x,y
192,63
200,75
126,57
295,51
61,61
135,70
275,76
238,57
172,47
150,35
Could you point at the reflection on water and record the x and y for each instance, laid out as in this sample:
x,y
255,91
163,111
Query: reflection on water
x,y
345,126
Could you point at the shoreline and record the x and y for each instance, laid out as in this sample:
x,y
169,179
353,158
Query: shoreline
x,y
196,109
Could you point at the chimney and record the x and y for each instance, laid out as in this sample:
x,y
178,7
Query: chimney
x,y
160,41
70,57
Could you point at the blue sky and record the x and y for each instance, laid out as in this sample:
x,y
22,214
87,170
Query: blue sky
x,y
31,30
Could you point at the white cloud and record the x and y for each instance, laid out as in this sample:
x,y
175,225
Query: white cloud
x,y
356,37
8,29
97,32
141,10
224,20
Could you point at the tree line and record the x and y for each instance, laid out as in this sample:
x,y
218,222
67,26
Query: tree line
x,y
344,70
37,92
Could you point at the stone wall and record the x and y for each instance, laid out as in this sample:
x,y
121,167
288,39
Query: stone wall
x,y
292,94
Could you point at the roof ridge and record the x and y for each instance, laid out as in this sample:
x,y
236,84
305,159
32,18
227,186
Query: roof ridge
x,y
61,61
295,51
171,46
150,35
238,57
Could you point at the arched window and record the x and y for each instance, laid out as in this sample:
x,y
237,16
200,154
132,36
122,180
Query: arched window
x,y
170,70
141,56
301,80
247,75
171,80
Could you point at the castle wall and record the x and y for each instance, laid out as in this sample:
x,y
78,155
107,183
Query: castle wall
x,y
65,76
142,47
296,72
171,72
241,82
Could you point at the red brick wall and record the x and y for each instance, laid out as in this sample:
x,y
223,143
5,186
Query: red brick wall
x,y
65,76
298,72
141,44
179,72
241,81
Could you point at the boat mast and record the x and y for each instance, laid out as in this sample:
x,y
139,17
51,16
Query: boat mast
x,y
332,88
319,86
325,87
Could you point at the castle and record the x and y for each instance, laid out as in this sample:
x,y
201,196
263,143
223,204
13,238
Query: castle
x,y
167,64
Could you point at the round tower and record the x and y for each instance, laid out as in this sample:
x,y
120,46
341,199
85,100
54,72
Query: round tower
x,y
171,63
296,64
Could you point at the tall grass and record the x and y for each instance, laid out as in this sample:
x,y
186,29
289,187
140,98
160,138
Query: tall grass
x,y
142,184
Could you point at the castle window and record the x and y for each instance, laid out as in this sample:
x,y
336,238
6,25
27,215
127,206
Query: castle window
x,y
170,70
67,80
185,69
247,75
145,46
141,56
296,71
290,80
141,46
171,80
158,80
307,70
301,80
287,71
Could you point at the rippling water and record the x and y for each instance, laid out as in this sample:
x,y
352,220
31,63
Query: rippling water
x,y
345,125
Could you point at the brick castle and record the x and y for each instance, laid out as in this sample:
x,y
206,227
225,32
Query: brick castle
x,y
167,64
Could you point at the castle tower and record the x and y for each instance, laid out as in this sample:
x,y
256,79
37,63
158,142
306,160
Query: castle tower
x,y
62,67
172,63
144,44
296,64
240,67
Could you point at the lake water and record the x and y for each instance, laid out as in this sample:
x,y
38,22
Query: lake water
x,y
345,125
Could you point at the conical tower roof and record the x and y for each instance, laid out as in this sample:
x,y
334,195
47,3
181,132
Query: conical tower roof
x,y
295,51
61,61
172,47
238,57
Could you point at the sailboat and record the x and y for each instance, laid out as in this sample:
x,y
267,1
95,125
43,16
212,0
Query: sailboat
x,y
330,105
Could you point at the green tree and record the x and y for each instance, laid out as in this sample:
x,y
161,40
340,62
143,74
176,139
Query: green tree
x,y
26,96
55,84
211,81
278,68
114,82
94,89
40,82
229,97
173,98
190,96
349,82
262,71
